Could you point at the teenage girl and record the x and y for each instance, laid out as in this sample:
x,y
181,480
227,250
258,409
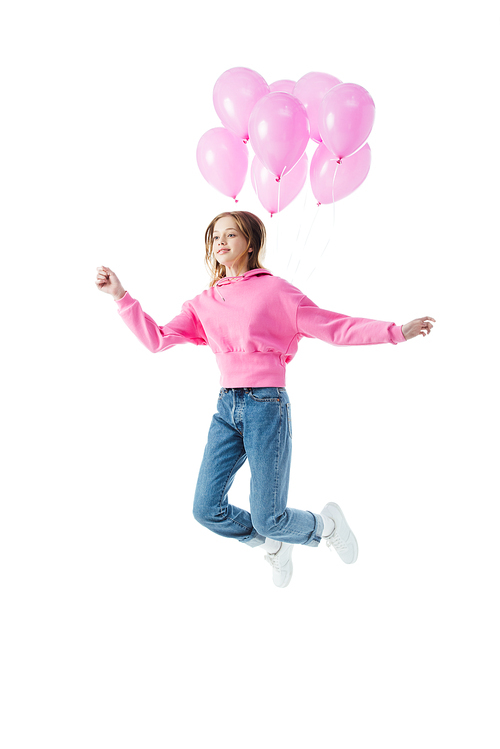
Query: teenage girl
x,y
253,322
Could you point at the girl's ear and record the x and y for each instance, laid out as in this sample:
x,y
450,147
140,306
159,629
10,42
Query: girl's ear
x,y
250,250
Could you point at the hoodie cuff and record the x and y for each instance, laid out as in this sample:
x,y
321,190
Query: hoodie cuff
x,y
397,333
124,302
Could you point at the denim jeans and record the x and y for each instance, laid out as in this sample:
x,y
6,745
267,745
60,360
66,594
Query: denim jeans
x,y
253,423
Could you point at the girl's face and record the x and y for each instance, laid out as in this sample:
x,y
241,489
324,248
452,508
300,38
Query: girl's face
x,y
230,246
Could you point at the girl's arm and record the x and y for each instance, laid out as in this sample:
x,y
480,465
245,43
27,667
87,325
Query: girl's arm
x,y
185,328
342,330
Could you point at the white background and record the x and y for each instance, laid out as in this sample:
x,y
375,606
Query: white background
x,y
124,622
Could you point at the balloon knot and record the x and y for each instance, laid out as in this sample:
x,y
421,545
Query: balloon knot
x,y
245,141
318,204
278,179
235,200
339,161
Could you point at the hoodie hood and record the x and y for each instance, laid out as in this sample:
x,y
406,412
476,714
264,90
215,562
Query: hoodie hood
x,y
244,276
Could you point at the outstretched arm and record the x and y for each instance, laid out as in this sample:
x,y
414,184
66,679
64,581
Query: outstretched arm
x,y
343,330
420,326
185,328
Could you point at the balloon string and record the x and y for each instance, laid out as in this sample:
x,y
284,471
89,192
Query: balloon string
x,y
294,250
324,250
333,226
278,221
305,245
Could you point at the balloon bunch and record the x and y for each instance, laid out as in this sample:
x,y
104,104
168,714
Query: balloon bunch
x,y
279,120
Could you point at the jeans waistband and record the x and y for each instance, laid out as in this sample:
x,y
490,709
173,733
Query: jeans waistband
x,y
251,390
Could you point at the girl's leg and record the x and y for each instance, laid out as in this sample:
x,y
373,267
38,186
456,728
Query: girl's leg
x,y
224,455
267,434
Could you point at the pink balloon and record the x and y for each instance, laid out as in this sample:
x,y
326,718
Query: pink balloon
x,y
349,174
283,85
346,116
279,131
223,160
268,190
310,89
235,94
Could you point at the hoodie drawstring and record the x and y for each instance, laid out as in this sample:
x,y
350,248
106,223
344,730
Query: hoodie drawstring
x,y
244,277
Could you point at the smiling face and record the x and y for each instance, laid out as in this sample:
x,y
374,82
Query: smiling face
x,y
230,246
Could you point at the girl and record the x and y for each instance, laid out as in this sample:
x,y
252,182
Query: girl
x,y
253,322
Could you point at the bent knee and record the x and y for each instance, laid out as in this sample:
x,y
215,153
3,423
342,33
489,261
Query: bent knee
x,y
265,526
205,514
201,514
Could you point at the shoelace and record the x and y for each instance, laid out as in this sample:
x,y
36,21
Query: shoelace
x,y
273,561
336,541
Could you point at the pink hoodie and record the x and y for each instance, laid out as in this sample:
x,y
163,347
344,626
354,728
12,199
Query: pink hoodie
x,y
253,324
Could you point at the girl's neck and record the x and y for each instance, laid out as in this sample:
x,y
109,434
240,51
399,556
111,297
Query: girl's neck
x,y
231,272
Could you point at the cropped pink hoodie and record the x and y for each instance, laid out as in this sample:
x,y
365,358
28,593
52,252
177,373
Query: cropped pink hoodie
x,y
253,324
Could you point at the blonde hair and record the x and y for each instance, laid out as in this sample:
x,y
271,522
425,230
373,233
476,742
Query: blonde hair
x,y
252,229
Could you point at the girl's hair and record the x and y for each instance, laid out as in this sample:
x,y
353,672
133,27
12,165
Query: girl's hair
x,y
252,229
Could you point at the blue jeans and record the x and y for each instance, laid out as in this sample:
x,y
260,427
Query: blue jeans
x,y
253,423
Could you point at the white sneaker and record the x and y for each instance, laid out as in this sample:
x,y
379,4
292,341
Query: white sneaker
x,y
281,562
342,539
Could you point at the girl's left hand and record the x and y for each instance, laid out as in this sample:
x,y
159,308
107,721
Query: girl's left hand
x,y
420,326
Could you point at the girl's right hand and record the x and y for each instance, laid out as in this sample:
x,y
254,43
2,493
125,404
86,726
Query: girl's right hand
x,y
109,282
